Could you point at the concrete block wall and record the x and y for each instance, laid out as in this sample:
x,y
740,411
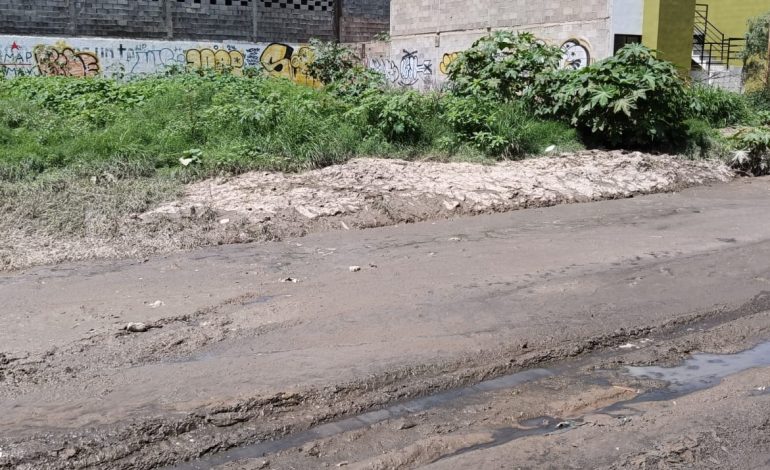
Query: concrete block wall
x,y
203,19
282,21
362,20
426,33
50,17
117,18
239,20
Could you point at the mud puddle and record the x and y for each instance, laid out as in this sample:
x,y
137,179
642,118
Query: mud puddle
x,y
365,420
699,372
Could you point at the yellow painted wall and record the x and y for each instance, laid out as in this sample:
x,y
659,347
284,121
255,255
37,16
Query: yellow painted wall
x,y
731,16
668,28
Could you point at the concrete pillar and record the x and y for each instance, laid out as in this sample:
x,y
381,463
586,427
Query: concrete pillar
x,y
668,28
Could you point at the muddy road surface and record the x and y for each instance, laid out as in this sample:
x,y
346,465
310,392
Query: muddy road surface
x,y
379,348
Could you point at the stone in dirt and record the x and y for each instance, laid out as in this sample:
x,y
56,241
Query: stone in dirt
x,y
136,327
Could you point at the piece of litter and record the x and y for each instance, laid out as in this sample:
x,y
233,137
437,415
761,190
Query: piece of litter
x,y
224,221
455,239
136,327
156,304
354,269
290,279
344,225
627,346
550,149
563,424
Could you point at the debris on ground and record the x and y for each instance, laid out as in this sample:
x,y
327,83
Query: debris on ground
x,y
136,327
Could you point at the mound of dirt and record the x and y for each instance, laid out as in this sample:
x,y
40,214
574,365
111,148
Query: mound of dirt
x,y
362,193
371,192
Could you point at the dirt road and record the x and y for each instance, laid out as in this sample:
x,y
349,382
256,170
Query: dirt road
x,y
245,343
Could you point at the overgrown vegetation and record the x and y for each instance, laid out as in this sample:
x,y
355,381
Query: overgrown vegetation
x,y
629,100
755,54
77,154
507,98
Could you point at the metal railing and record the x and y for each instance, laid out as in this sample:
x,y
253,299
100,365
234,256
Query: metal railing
x,y
711,46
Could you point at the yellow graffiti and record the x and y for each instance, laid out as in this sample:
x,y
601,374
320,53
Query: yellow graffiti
x,y
282,60
62,60
219,59
446,61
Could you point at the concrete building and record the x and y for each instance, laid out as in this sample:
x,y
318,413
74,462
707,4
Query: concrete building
x,y
426,34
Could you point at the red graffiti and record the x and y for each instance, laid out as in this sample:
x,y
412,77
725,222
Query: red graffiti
x,y
15,47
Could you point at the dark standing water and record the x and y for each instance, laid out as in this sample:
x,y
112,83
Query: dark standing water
x,y
699,372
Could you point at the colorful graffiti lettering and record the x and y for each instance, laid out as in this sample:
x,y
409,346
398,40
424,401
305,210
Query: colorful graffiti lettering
x,y
446,61
282,60
67,62
199,59
576,55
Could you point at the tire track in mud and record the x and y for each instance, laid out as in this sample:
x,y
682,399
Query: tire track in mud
x,y
151,441
167,339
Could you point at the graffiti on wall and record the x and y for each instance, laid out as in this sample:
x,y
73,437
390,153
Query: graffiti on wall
x,y
446,61
15,59
218,59
575,55
407,72
282,60
66,62
140,58
85,57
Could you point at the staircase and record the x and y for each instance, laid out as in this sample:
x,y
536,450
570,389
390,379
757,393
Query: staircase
x,y
714,55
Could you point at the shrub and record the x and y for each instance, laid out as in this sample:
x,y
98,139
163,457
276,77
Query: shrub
x,y
332,61
398,115
703,141
629,100
507,131
755,53
753,155
719,107
501,66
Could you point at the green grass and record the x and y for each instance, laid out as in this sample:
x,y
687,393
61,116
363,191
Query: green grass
x,y
232,124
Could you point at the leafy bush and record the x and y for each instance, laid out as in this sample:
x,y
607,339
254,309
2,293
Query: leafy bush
x,y
629,100
753,156
719,107
508,131
703,141
397,115
755,53
501,66
332,61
